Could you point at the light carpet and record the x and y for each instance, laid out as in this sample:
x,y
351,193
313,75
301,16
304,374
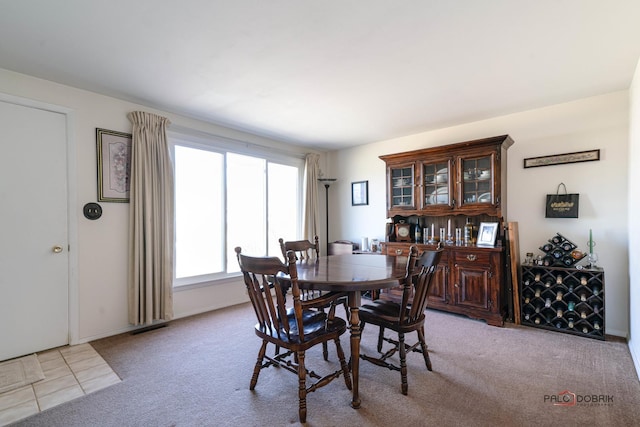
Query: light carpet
x,y
19,372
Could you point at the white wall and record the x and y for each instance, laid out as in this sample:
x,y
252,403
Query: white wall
x,y
599,122
102,244
634,214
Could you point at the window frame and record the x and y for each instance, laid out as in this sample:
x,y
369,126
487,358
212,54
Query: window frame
x,y
223,145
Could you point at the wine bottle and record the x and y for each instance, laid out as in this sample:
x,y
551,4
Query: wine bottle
x,y
559,296
559,279
468,232
547,302
595,290
537,278
547,247
596,325
418,233
571,305
583,280
559,313
570,324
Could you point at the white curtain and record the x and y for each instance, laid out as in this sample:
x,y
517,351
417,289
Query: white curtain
x,y
310,216
151,224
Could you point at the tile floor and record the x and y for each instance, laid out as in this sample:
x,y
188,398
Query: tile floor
x,y
70,372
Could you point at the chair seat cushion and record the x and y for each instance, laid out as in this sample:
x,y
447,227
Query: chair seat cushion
x,y
382,312
315,324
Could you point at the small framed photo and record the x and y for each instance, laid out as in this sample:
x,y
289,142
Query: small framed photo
x,y
359,193
487,234
114,165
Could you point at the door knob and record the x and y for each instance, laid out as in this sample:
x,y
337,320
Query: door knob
x,y
57,249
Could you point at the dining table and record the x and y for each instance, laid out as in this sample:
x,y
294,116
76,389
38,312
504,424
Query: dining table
x,y
354,274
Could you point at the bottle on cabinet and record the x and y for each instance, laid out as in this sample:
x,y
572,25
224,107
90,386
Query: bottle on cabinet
x,y
468,232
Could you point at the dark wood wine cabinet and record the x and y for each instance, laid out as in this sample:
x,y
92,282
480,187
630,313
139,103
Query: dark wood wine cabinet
x,y
568,300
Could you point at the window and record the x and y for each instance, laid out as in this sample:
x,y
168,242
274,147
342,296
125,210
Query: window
x,y
227,198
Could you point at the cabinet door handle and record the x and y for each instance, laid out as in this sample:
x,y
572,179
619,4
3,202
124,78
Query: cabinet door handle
x,y
398,251
472,257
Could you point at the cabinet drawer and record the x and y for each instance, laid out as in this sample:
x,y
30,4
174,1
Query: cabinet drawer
x,y
480,258
398,251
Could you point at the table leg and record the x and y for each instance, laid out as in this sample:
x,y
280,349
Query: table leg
x,y
354,306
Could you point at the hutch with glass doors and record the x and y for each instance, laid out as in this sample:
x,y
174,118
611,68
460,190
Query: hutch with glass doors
x,y
435,194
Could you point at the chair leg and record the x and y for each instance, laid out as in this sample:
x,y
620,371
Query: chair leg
x,y
325,351
423,345
343,364
403,363
258,366
380,339
302,388
346,310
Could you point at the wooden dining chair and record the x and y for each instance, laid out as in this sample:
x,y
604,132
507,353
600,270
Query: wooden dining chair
x,y
295,328
405,317
305,251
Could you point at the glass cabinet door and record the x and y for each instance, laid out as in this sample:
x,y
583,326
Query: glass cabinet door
x,y
477,180
402,187
436,183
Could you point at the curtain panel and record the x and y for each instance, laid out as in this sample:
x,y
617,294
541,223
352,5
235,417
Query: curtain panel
x,y
310,216
151,221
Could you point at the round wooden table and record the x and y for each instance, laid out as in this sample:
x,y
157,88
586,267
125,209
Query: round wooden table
x,y
352,273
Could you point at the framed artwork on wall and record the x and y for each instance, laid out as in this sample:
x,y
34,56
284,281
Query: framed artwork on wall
x,y
114,165
359,193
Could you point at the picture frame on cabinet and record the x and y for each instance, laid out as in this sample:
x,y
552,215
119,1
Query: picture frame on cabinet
x,y
114,165
487,234
360,193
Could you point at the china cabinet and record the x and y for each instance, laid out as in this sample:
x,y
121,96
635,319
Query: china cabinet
x,y
467,178
439,190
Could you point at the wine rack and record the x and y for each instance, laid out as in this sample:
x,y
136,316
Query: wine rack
x,y
560,252
569,300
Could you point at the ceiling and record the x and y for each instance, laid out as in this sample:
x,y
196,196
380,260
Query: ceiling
x,y
333,73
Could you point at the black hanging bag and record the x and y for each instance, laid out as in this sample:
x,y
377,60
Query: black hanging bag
x,y
562,205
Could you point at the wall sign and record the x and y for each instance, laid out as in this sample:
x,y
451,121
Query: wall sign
x,y
559,159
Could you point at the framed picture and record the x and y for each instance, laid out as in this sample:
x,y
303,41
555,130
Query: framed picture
x,y
487,234
560,159
114,165
359,193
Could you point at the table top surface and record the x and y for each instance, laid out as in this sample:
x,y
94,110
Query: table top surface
x,y
351,272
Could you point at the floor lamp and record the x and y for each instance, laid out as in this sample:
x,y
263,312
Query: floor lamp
x,y
327,182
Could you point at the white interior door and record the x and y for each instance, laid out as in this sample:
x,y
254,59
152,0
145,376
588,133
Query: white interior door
x,y
34,264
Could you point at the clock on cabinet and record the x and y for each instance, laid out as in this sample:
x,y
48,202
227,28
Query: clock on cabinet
x,y
403,232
